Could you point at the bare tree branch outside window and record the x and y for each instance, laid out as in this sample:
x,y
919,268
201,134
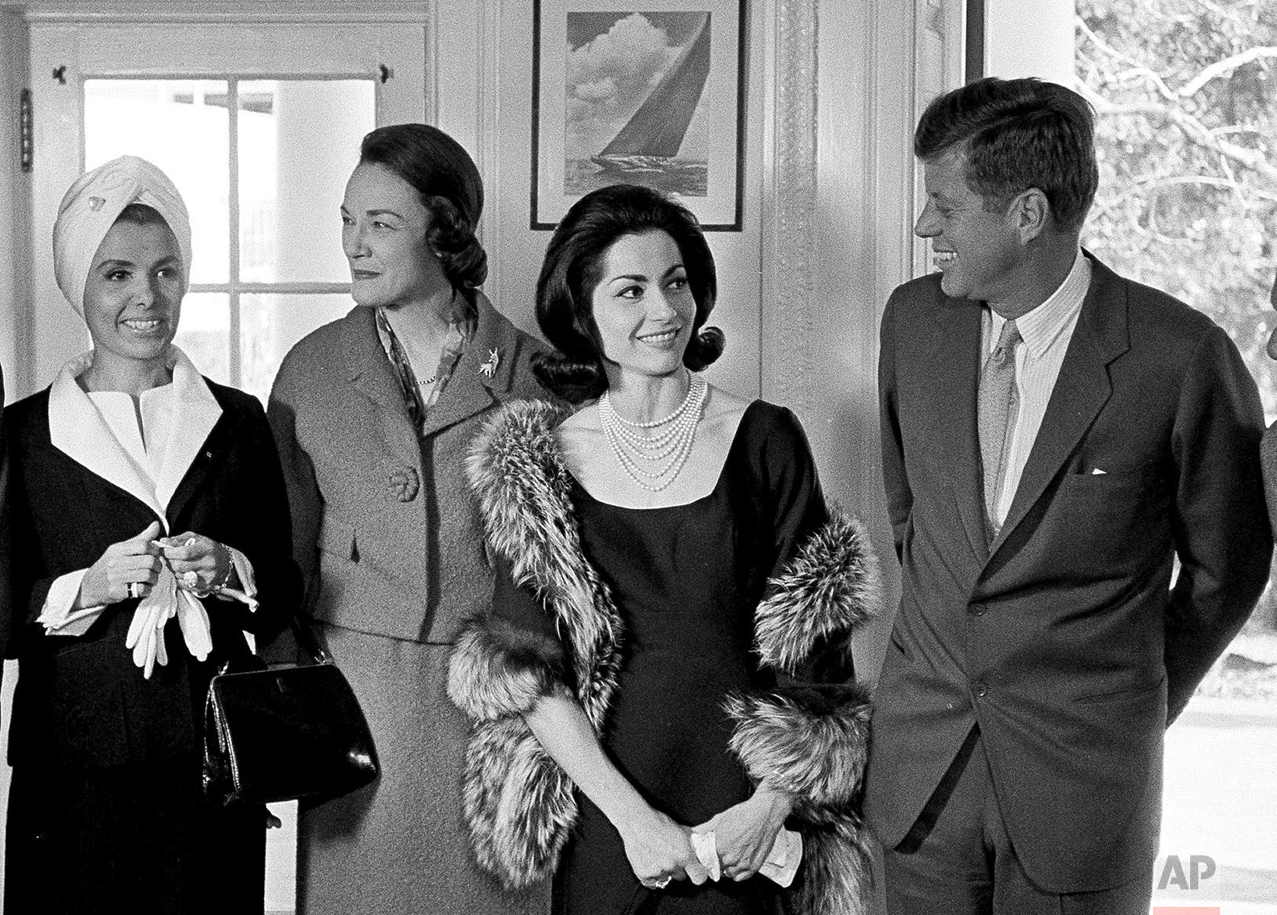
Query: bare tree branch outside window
x,y
1186,93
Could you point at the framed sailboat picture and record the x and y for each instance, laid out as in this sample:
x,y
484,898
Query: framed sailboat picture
x,y
639,92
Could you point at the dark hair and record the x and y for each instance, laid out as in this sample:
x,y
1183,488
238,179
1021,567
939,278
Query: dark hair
x,y
574,266
1016,134
445,176
140,214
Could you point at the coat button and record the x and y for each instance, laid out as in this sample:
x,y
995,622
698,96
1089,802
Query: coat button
x,y
404,483
980,688
977,609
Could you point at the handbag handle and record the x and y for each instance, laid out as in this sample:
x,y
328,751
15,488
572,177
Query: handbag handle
x,y
306,640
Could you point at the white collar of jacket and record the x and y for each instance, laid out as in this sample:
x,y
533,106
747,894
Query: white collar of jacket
x,y
518,804
78,431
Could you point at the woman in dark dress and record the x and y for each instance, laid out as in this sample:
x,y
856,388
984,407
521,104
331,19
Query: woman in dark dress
x,y
665,677
149,529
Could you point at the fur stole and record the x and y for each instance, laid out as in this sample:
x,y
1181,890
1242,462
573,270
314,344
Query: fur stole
x,y
809,739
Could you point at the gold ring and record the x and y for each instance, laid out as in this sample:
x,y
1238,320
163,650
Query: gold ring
x,y
662,883
135,589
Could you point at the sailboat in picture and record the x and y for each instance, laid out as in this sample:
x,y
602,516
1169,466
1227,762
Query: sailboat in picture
x,y
646,149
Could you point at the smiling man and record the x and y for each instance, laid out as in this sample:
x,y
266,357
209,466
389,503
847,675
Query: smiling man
x,y
1054,438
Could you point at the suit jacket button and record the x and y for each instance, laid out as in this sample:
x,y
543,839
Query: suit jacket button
x,y
980,688
404,483
976,609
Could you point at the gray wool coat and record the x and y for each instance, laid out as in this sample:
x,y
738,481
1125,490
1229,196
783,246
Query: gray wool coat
x,y
391,548
384,527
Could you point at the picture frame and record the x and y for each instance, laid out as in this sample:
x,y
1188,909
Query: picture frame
x,y
643,92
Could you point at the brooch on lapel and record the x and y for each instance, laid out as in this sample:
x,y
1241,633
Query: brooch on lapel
x,y
489,367
404,484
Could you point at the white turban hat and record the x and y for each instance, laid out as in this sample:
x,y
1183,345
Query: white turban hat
x,y
92,205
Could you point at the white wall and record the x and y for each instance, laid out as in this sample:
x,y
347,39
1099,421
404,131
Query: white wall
x,y
1029,39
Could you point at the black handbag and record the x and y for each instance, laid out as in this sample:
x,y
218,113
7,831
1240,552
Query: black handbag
x,y
286,732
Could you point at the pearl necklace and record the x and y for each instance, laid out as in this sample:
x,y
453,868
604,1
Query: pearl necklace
x,y
653,462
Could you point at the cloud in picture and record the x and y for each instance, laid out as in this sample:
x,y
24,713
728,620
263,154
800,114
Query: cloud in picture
x,y
613,63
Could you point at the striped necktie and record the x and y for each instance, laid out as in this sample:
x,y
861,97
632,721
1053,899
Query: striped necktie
x,y
999,403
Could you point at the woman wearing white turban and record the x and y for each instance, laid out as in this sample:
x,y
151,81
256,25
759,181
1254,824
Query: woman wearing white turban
x,y
150,531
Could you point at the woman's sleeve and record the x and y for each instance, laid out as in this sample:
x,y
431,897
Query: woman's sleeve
x,y
305,503
809,736
505,660
517,802
264,536
26,590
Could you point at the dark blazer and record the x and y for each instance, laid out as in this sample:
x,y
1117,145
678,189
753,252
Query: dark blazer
x,y
5,542
1064,639
384,527
81,702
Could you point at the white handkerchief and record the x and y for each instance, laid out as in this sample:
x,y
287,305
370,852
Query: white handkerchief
x,y
786,854
705,844
781,864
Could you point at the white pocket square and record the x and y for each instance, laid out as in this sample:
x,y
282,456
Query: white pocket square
x,y
1097,472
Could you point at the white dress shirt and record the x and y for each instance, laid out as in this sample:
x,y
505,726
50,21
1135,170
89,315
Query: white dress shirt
x,y
1046,332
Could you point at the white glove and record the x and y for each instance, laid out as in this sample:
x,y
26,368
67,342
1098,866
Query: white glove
x,y
193,619
146,631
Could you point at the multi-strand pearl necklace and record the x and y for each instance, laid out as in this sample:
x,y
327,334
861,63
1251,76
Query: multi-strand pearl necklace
x,y
653,459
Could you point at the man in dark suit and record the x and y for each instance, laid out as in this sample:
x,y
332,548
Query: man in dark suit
x,y
4,532
1268,446
1054,438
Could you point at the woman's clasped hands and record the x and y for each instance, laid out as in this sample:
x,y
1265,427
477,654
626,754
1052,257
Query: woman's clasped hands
x,y
660,850
132,568
745,833
200,565
166,575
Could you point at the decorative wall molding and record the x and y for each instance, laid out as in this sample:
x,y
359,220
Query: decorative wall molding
x,y
790,189
939,40
239,11
487,146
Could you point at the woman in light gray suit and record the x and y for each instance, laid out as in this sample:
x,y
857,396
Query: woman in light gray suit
x,y
373,414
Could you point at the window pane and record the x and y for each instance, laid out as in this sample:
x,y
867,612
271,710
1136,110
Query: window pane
x,y
298,142
271,324
204,333
183,127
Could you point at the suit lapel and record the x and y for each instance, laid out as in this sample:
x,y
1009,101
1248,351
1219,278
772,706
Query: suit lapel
x,y
203,460
485,365
466,394
950,397
195,413
370,373
1081,390
78,431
